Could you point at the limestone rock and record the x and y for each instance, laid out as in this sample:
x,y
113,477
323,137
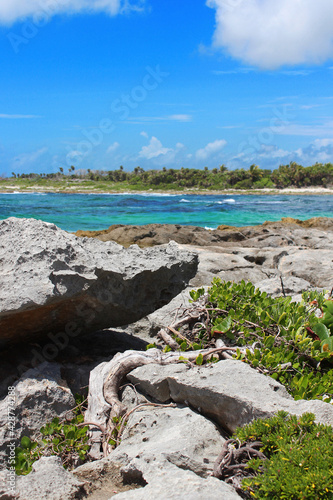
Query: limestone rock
x,y
167,482
48,480
40,395
291,286
176,435
148,327
314,233
52,281
315,266
157,234
230,392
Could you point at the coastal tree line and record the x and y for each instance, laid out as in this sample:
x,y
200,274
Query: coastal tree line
x,y
290,175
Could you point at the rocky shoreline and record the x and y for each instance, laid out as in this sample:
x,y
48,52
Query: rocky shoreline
x,y
70,303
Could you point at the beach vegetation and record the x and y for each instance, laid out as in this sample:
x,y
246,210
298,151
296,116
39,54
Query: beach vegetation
x,y
292,175
295,462
67,439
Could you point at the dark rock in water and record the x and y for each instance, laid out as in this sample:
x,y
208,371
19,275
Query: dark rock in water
x,y
52,281
288,232
159,234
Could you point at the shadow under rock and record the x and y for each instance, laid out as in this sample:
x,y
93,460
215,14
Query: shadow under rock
x,y
77,358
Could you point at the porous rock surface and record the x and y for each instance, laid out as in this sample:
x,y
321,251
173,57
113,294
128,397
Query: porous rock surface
x,y
40,395
48,480
51,281
288,231
230,392
287,248
166,481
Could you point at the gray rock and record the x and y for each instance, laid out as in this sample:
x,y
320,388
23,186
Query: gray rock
x,y
40,395
291,286
315,266
230,392
54,282
175,435
167,482
148,327
48,480
173,446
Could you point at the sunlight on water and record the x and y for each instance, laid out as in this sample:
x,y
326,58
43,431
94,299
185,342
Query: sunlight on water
x,y
99,211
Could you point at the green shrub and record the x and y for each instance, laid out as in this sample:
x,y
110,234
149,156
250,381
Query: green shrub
x,y
280,332
300,458
68,440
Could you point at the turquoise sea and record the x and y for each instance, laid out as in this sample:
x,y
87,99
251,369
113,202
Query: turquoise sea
x,y
99,211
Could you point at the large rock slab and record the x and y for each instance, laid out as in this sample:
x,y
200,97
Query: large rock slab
x,y
51,281
167,482
33,401
176,447
48,480
176,435
315,266
230,392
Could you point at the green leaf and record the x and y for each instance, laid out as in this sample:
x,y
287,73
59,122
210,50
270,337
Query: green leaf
x,y
226,324
327,345
183,346
321,330
150,346
26,442
199,360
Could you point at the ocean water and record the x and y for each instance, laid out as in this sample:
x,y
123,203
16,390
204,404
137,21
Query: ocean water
x,y
98,211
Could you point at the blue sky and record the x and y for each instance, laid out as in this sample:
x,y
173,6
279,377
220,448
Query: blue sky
x,y
193,83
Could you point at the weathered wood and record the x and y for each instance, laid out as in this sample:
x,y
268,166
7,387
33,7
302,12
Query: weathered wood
x,y
104,383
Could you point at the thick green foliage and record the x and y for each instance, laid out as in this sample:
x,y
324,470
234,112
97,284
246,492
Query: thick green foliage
x,y
178,179
68,440
300,458
280,335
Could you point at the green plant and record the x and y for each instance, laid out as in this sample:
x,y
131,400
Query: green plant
x,y
299,455
68,440
275,335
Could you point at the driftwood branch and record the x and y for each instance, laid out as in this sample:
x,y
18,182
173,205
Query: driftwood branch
x,y
231,465
104,406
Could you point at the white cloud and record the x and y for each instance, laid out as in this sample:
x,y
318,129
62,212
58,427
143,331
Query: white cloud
x,y
113,147
319,150
153,150
27,159
270,34
18,117
18,10
180,118
211,149
144,134
323,129
168,118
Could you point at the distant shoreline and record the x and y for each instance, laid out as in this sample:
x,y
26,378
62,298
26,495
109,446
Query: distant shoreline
x,y
9,189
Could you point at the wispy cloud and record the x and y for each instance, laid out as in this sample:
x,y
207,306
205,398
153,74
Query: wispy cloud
x,y
18,117
25,160
168,118
325,129
113,147
237,71
18,10
300,72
